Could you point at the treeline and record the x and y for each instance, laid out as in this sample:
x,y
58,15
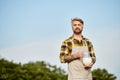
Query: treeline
x,y
41,70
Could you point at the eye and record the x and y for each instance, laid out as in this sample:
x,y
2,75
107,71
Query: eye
x,y
79,24
74,24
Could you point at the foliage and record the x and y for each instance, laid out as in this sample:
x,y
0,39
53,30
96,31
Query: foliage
x,y
41,70
102,74
30,71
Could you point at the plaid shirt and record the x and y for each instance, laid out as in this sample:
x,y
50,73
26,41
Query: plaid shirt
x,y
66,48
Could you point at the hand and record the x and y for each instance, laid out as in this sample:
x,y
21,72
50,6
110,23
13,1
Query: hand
x,y
78,54
88,66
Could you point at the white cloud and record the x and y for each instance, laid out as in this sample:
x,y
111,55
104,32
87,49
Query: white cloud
x,y
43,50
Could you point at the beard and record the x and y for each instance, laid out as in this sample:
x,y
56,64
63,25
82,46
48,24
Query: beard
x,y
77,31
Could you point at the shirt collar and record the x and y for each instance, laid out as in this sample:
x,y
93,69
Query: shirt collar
x,y
83,38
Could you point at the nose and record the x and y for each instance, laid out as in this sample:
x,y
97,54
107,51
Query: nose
x,y
77,26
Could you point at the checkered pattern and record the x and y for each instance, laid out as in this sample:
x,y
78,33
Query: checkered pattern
x,y
66,47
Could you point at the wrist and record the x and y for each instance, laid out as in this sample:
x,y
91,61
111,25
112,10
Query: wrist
x,y
72,57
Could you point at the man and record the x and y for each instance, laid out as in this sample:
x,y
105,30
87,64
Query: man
x,y
72,52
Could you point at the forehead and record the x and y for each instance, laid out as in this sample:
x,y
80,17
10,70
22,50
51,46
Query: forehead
x,y
76,22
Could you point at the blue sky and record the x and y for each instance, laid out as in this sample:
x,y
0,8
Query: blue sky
x,y
32,30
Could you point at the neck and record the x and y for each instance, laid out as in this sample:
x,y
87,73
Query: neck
x,y
77,36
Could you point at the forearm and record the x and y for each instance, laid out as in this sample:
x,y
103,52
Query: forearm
x,y
69,58
72,57
66,58
93,59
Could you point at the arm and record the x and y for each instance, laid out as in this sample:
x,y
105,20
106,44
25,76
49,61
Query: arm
x,y
92,54
74,56
65,53
91,50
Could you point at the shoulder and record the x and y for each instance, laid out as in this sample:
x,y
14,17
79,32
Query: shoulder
x,y
68,40
87,40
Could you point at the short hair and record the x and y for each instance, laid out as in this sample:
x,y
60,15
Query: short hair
x,y
77,19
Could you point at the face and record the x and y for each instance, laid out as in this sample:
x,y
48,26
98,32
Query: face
x,y
77,27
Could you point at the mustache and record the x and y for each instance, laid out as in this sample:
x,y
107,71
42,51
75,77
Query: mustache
x,y
77,28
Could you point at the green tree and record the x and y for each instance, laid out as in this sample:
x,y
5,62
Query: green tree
x,y
8,70
102,74
41,70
